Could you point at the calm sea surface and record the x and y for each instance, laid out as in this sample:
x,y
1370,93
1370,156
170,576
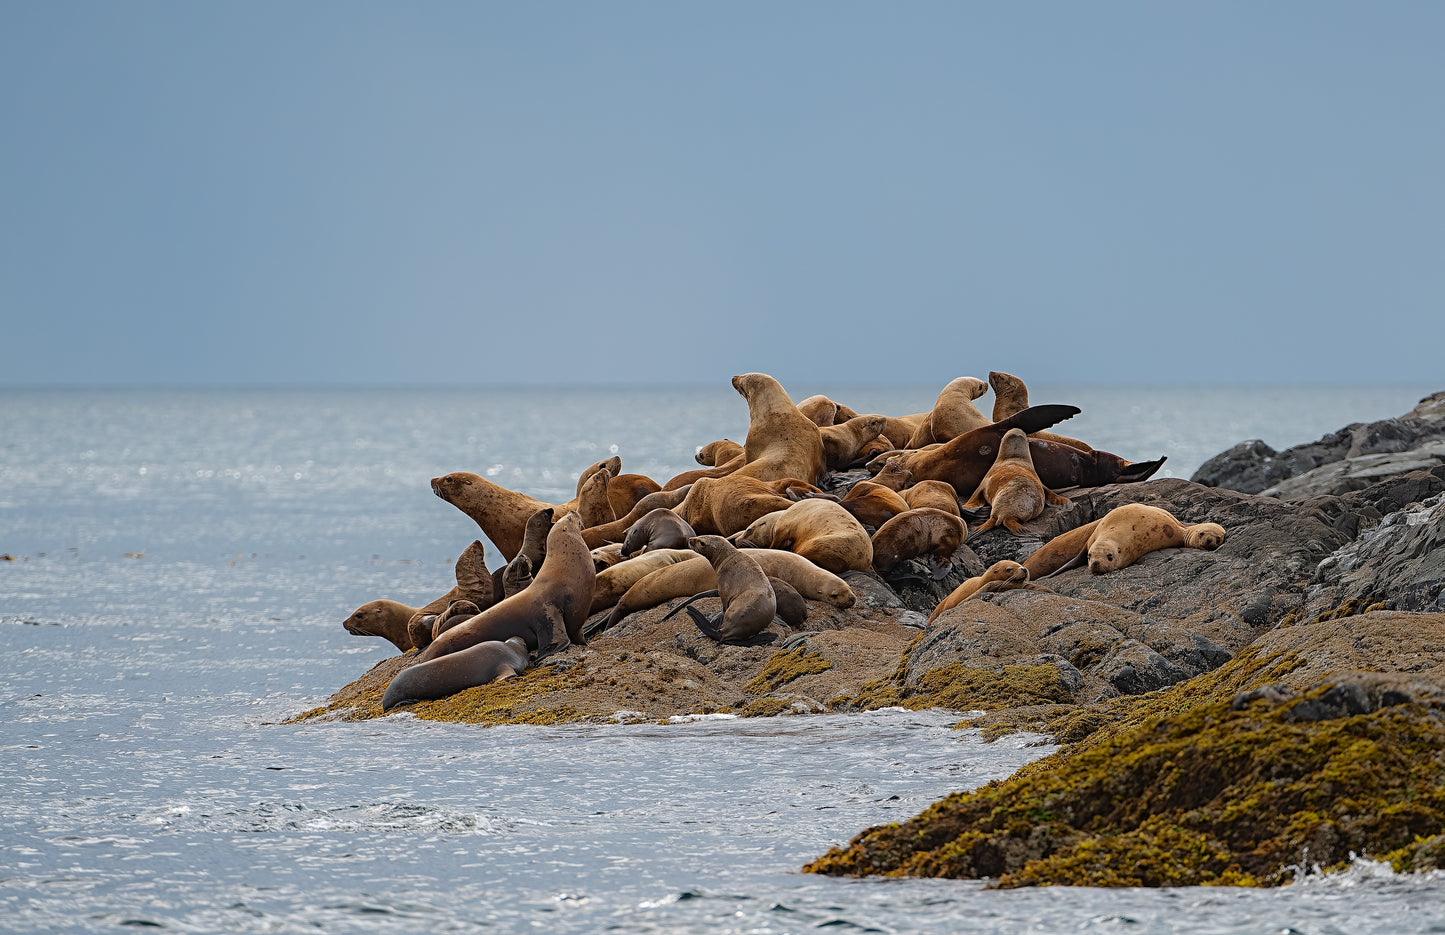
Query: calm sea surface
x,y
182,563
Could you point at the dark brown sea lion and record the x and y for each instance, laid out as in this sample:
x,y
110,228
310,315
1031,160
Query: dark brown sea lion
x,y
781,442
549,614
456,612
660,529
1012,488
748,601
474,583
617,531
927,532
517,576
479,664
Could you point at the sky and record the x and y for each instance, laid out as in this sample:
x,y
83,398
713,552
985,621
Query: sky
x,y
339,193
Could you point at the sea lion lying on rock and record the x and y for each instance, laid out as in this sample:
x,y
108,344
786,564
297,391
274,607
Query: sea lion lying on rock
x,y
1000,576
483,663
1119,539
928,532
819,530
1012,488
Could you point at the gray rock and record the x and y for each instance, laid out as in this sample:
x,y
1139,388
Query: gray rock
x,y
1399,563
1133,669
1359,473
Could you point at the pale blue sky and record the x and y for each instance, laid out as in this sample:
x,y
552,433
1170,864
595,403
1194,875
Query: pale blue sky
x,y
342,193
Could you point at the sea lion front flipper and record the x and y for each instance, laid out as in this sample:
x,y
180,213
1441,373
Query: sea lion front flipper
x,y
1037,418
706,627
1076,562
1139,470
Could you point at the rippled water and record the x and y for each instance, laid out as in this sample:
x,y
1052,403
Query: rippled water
x,y
182,564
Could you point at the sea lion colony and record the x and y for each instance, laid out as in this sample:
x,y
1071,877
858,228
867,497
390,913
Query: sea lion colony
x,y
815,491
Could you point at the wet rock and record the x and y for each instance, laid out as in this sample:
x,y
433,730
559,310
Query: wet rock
x,y
1352,474
1398,565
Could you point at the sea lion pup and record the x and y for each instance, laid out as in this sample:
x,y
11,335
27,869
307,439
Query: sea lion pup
x,y
625,490
617,531
819,530
924,531
456,612
604,557
474,583
548,614
893,475
1119,539
723,505
934,494
501,513
820,410
592,503
781,442
842,443
485,662
659,529
873,504
1000,576
748,601
386,619
517,575
1012,488
614,582
953,413
1010,395
719,452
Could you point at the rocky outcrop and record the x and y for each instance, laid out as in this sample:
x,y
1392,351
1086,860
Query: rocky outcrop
x,y
1398,564
1400,445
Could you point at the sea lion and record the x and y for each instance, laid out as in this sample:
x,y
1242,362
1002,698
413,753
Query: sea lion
x,y
1010,395
474,583
902,428
625,490
820,410
923,531
719,452
456,612
1012,488
517,576
614,582
534,536
612,465
781,442
1000,576
893,475
501,513
617,531
934,494
748,601
549,613
722,469
1119,539
605,556
842,443
479,664
953,413
723,505
792,609
871,450
592,503
873,504
659,529
383,618
819,530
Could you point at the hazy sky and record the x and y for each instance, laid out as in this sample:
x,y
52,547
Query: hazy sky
x,y
343,193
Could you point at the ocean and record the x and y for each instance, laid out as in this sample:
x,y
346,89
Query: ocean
x,y
180,564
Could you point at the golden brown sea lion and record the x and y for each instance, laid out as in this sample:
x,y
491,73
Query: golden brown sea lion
x,y
615,581
1000,576
624,490
1012,488
820,410
659,529
474,583
592,503
1119,539
723,505
871,450
953,413
383,618
926,532
843,443
819,530
934,494
501,513
480,664
612,465
722,469
1010,395
893,475
617,531
873,504
549,613
781,442
719,452
748,601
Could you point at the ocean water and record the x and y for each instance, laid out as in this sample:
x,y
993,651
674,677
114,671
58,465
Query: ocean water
x,y
181,563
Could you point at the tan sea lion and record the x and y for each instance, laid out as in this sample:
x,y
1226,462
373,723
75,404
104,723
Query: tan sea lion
x,y
819,530
605,556
748,601
612,465
1012,488
1010,396
592,503
719,452
479,664
1000,576
549,613
660,529
456,612
871,450
614,582
501,513
723,505
820,410
1119,539
873,504
934,494
781,442
722,469
953,413
383,618
617,531
926,532
893,475
625,490
474,583
843,443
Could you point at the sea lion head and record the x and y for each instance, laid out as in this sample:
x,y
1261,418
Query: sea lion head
x,y
449,486
1006,571
1204,536
973,386
1015,444
1104,555
368,619
709,547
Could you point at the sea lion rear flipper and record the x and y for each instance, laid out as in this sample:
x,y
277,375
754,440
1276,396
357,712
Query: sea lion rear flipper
x,y
712,593
1075,562
761,638
706,627
1037,418
1139,470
